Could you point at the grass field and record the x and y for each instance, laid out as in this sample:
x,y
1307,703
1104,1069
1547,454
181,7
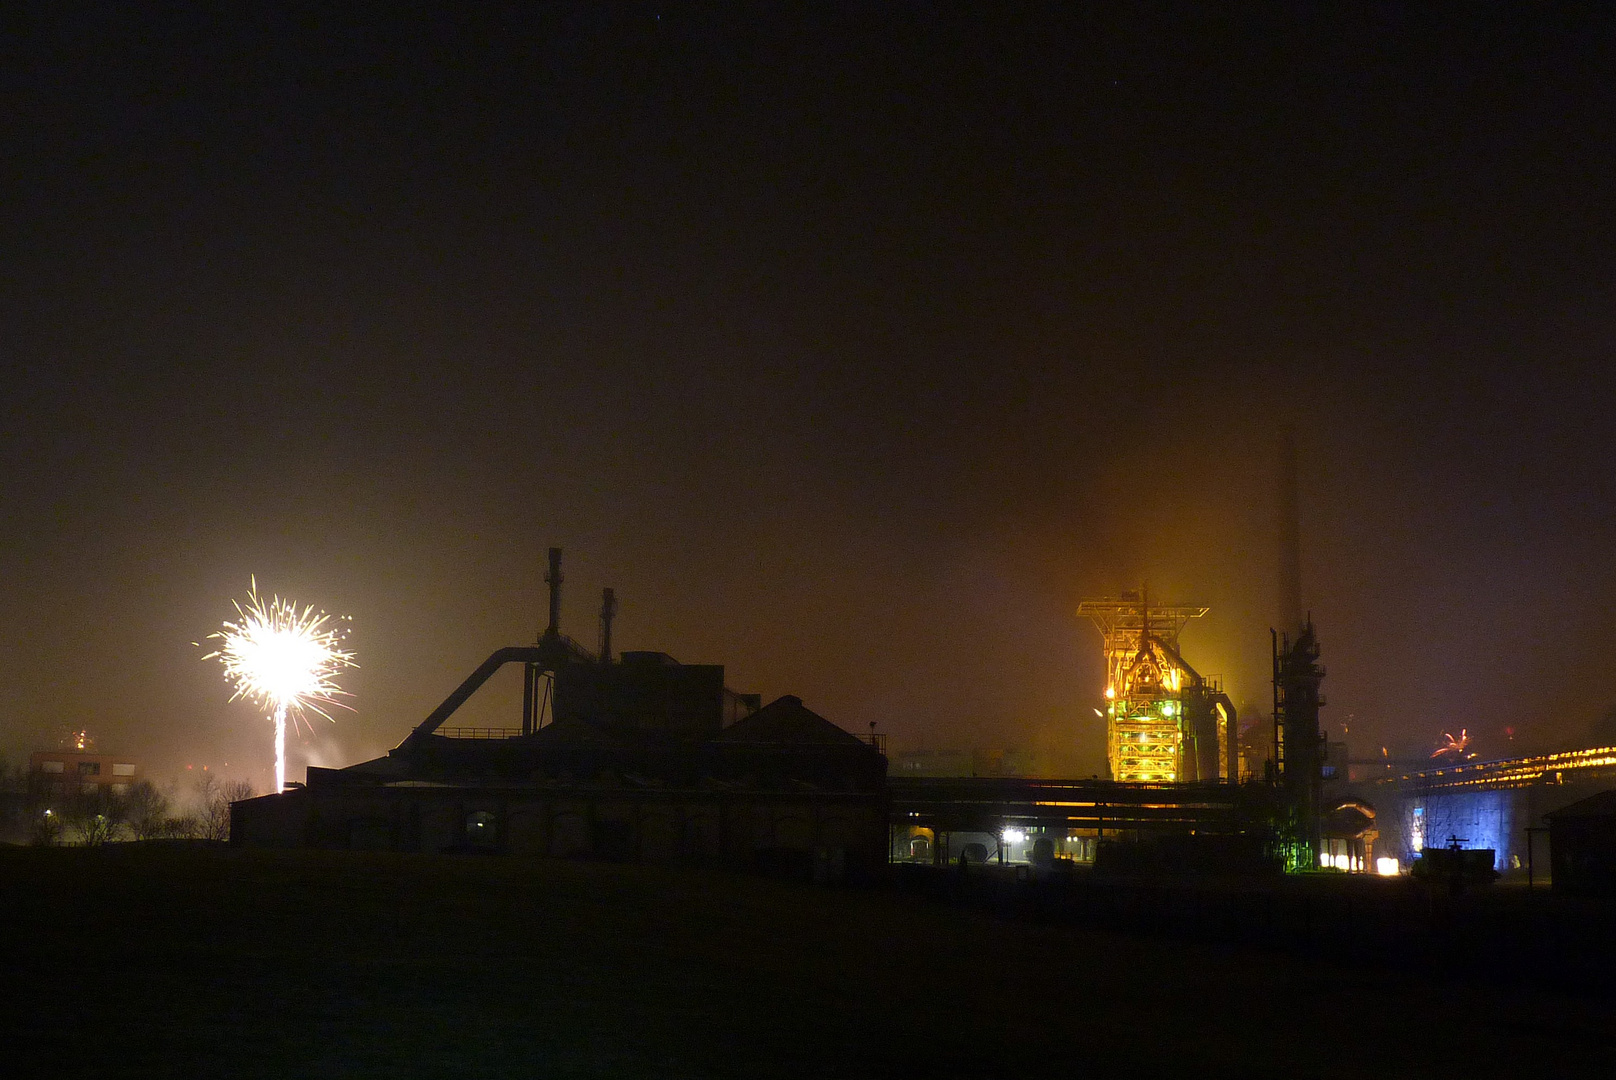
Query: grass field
x,y
208,962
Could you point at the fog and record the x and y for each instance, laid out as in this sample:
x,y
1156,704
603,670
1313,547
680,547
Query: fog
x,y
852,350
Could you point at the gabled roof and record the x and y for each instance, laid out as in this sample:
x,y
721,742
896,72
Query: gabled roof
x,y
787,721
1600,805
573,735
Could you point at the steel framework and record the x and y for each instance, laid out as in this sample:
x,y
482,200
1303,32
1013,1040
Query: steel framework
x,y
1145,689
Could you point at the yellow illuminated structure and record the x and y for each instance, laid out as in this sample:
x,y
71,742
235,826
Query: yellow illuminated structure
x,y
1516,772
1165,723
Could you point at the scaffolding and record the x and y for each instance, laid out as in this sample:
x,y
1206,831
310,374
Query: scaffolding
x,y
1153,698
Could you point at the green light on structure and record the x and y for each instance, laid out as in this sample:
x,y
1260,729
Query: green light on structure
x,y
1168,708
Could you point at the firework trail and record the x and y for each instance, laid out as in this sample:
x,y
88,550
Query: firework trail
x,y
283,659
1453,746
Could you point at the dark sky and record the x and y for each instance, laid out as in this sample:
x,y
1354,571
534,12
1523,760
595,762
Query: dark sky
x,y
853,345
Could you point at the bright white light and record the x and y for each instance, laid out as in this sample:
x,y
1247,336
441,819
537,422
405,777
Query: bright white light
x,y
283,658
1343,862
1014,836
1386,866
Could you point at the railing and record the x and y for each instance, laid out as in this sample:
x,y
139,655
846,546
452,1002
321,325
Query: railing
x,y
877,740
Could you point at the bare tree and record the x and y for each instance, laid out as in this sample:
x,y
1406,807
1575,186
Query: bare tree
x,y
145,811
236,791
213,815
93,817
47,830
13,801
216,797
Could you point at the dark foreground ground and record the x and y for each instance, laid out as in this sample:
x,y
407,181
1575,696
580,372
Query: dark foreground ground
x,y
207,962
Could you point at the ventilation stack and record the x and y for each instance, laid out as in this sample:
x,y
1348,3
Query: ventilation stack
x,y
553,579
535,681
608,611
1291,615
1298,743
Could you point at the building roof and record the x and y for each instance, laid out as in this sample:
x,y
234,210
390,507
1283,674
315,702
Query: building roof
x,y
1600,805
787,721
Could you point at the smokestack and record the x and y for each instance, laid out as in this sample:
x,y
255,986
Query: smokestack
x,y
553,579
608,608
1291,615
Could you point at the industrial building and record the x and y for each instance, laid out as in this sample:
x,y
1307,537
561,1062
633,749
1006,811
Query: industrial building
x,y
1503,805
642,757
1174,797
636,757
1003,820
1164,720
1582,845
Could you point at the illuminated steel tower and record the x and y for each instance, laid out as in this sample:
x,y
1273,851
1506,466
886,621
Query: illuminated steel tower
x,y
1164,721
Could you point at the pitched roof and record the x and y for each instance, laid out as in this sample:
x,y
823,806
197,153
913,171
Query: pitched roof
x,y
1600,805
786,720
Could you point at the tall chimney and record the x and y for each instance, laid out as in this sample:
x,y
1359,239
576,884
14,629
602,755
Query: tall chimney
x,y
553,579
1291,615
608,608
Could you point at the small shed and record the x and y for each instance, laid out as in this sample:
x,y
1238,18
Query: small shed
x,y
1582,846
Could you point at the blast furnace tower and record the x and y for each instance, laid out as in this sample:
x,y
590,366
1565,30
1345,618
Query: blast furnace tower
x,y
1165,722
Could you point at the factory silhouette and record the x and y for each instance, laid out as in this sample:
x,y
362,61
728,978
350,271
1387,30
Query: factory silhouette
x,y
633,756
638,757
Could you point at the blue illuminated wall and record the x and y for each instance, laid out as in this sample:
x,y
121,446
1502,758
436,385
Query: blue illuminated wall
x,y
1481,819
1496,818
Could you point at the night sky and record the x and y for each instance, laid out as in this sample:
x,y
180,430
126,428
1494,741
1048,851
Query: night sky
x,y
853,345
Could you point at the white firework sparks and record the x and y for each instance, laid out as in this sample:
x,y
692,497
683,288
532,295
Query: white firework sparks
x,y
284,659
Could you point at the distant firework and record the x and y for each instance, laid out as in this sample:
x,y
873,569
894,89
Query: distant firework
x,y
285,660
1451,745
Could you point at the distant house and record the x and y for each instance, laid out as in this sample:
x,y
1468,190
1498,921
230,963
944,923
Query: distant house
x,y
1582,846
64,773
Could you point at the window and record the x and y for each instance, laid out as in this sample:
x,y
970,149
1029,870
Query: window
x,y
89,768
123,770
52,766
119,789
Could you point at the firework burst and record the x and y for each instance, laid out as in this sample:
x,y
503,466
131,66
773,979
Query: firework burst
x,y
285,659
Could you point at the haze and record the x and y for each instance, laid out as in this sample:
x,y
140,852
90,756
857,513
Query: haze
x,y
851,348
